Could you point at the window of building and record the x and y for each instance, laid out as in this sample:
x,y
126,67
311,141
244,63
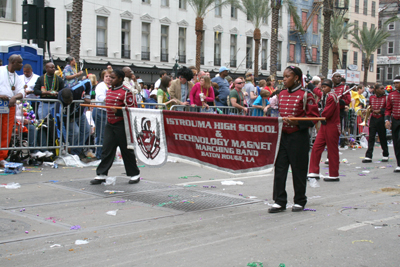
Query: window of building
x,y
146,1
202,49
145,41
292,48
264,54
233,50
315,25
372,26
379,24
373,8
364,25
125,39
101,36
7,9
164,43
265,20
378,74
182,4
356,27
345,25
365,11
69,21
292,25
362,61
279,57
218,8
371,64
217,49
355,58
164,2
304,19
391,26
344,59
379,50
182,45
389,73
314,54
234,12
390,48
303,54
249,52
357,6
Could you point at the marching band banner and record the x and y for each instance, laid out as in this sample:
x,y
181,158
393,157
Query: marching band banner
x,y
236,144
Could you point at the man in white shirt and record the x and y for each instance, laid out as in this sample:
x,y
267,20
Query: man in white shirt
x,y
11,89
158,82
29,79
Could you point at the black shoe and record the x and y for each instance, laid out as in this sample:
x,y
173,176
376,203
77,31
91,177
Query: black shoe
x,y
297,208
134,179
276,208
331,179
97,181
366,160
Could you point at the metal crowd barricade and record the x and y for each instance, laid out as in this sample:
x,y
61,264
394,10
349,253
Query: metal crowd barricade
x,y
226,110
152,105
34,128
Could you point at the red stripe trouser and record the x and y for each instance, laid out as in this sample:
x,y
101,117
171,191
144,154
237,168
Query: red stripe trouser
x,y
7,123
328,135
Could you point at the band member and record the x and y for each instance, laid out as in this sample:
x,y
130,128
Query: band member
x,y
328,134
295,101
377,103
392,118
341,90
114,132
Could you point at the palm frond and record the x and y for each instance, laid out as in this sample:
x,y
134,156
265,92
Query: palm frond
x,y
257,11
339,29
292,8
369,39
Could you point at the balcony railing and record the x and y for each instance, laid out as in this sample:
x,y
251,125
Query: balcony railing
x,y
264,66
164,57
232,63
182,59
101,51
145,55
202,60
249,63
278,67
125,51
217,61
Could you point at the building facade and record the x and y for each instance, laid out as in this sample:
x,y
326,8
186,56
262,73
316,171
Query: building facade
x,y
389,53
305,48
155,34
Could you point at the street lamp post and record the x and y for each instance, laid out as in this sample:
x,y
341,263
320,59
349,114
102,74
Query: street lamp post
x,y
176,66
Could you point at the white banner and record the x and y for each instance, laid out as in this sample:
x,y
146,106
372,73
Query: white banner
x,y
145,134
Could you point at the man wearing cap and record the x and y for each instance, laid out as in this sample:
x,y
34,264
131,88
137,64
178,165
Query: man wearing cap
x,y
392,118
11,89
223,84
328,135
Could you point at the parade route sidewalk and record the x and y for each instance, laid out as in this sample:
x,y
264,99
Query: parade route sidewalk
x,y
181,215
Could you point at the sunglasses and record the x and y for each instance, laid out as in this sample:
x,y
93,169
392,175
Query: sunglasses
x,y
240,83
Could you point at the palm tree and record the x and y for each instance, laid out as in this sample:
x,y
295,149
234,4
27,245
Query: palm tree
x,y
276,5
201,8
328,11
338,30
368,40
77,6
257,11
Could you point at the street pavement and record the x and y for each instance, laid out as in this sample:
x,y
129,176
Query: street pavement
x,y
164,222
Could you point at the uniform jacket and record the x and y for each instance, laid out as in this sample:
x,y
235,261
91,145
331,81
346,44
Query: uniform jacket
x,y
393,106
344,99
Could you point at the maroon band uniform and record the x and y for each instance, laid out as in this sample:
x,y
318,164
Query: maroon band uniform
x,y
294,144
377,125
392,113
327,135
114,133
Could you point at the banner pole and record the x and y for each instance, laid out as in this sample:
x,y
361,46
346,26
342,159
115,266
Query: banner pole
x,y
290,118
